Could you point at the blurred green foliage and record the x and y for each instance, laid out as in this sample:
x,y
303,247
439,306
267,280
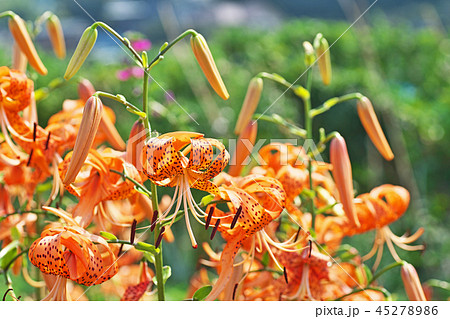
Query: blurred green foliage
x,y
404,71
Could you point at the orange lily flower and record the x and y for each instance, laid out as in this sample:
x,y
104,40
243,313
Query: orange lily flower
x,y
376,210
69,252
166,163
95,183
254,201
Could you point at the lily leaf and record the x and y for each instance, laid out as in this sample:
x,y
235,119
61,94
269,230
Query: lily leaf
x,y
8,253
107,235
201,293
166,272
147,247
150,257
206,200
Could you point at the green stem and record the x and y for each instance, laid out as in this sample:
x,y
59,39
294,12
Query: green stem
x,y
274,118
382,290
159,256
36,212
125,41
121,99
276,78
385,269
171,44
8,13
153,187
145,107
334,101
309,135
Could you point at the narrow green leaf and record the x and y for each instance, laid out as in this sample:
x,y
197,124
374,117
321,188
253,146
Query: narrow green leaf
x,y
201,293
265,259
8,253
166,272
15,233
150,257
147,247
108,236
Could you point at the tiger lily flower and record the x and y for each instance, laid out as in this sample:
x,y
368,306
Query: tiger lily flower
x,y
95,184
254,201
69,252
166,163
381,207
376,210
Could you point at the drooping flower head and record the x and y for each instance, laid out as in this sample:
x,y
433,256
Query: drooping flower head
x,y
254,201
96,183
184,160
70,252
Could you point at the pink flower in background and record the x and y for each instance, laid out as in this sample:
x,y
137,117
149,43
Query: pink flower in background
x,y
137,72
141,44
124,74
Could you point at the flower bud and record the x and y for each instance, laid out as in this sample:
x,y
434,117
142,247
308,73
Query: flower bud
x,y
412,283
82,50
85,90
310,56
19,59
244,147
56,35
250,104
90,121
19,32
135,144
323,56
206,62
342,173
370,122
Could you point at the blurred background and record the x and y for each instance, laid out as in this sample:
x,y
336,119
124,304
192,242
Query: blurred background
x,y
397,54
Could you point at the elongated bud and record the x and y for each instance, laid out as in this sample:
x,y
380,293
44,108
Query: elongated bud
x,y
323,56
56,35
135,144
412,283
370,122
244,147
310,56
85,90
342,173
250,104
82,50
209,68
90,121
19,59
19,32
